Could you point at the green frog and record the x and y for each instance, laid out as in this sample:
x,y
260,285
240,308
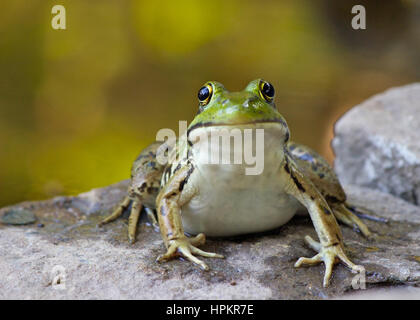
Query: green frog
x,y
194,197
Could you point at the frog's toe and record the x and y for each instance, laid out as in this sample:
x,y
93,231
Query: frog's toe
x,y
133,220
170,254
329,255
186,252
198,240
206,254
315,245
117,212
152,218
186,248
308,261
343,214
325,257
329,261
342,256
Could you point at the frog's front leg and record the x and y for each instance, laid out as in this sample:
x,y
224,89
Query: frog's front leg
x,y
171,198
330,248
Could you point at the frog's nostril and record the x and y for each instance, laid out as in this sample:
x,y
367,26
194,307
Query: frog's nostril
x,y
250,102
246,103
225,101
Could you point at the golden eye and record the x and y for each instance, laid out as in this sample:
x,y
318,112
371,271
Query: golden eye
x,y
204,94
267,90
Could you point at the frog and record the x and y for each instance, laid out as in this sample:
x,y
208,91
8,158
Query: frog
x,y
194,199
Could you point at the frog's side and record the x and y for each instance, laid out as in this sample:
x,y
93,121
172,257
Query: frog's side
x,y
221,200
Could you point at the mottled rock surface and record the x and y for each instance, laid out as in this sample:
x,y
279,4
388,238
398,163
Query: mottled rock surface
x,y
377,143
65,246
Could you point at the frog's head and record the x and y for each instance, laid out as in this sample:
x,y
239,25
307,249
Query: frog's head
x,y
251,106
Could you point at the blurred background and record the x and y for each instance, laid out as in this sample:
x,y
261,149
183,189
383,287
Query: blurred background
x,y
77,105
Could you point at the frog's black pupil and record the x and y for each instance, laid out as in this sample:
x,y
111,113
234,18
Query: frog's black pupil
x,y
203,93
268,89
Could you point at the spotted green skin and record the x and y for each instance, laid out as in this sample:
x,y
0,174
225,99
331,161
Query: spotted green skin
x,y
247,106
303,175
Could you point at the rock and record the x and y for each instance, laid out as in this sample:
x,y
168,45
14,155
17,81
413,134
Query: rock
x,y
71,258
18,217
377,143
399,293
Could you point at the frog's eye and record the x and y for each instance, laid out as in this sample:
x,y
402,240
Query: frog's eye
x,y
267,90
204,94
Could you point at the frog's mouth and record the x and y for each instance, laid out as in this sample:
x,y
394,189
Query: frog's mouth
x,y
276,129
241,125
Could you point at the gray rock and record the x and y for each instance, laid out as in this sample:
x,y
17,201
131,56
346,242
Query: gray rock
x,y
18,217
71,258
377,143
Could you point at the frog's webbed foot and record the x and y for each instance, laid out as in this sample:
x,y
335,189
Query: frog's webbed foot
x,y
344,215
133,218
186,247
329,255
